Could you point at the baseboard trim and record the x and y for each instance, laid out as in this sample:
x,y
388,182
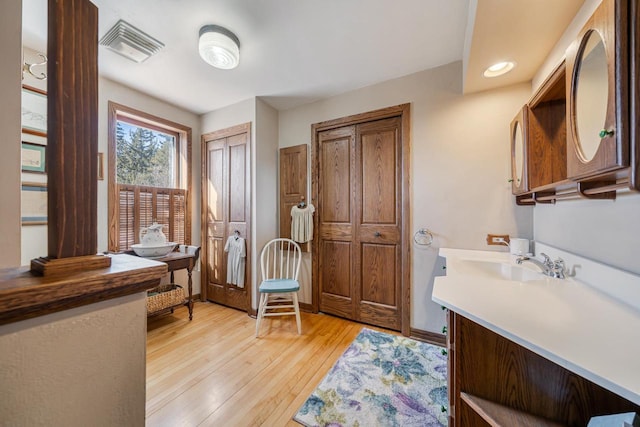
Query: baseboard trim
x,y
429,337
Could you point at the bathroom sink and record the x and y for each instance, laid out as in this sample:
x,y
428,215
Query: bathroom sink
x,y
496,270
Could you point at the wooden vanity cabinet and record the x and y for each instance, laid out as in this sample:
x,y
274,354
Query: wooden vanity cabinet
x,y
597,95
494,381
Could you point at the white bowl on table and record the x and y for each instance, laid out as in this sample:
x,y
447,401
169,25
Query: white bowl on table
x,y
153,251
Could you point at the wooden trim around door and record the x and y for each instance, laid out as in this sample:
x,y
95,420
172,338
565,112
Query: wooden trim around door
x,y
404,112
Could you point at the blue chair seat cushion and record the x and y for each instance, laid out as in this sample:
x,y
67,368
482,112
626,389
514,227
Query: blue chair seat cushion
x,y
279,285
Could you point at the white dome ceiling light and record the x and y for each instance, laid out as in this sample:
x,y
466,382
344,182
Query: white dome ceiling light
x,y
219,47
499,69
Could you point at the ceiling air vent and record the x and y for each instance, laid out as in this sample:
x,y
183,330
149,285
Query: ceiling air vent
x,y
128,41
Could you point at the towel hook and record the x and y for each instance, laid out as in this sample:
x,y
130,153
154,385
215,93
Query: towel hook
x,y
302,203
28,68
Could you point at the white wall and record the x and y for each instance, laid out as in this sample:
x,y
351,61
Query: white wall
x,y
460,164
10,52
265,208
605,231
80,367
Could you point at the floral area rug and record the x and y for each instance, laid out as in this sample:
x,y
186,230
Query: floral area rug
x,y
381,380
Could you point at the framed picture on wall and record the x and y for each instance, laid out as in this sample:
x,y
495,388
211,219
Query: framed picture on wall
x,y
33,199
34,111
33,157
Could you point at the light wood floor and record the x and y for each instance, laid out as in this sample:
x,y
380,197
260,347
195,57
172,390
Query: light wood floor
x,y
212,371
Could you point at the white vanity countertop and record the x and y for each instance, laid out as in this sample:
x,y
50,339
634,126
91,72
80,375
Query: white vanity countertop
x,y
568,322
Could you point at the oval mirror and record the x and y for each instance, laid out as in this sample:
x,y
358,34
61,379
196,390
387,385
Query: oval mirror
x,y
591,94
518,151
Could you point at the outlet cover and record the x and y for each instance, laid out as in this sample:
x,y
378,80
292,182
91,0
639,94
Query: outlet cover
x,y
498,239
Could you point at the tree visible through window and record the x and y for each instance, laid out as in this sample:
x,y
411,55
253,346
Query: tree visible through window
x,y
149,177
145,156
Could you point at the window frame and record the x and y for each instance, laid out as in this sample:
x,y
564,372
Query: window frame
x,y
134,121
183,166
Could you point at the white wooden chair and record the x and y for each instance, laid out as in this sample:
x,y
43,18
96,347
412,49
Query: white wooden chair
x,y
280,265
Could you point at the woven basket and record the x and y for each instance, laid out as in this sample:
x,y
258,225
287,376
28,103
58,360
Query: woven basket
x,y
164,296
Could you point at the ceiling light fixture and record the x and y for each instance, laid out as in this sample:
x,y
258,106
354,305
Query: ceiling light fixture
x,y
499,69
219,47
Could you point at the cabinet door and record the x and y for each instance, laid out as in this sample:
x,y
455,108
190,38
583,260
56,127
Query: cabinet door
x,y
597,94
519,170
293,185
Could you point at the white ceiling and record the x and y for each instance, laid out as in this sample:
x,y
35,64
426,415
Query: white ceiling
x,y
297,51
523,31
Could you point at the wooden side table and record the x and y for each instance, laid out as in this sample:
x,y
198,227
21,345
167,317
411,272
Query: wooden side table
x,y
178,261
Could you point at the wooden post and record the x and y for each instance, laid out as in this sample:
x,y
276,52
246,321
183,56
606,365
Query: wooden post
x,y
72,137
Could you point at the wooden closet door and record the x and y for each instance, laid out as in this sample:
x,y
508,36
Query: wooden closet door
x,y
378,218
216,268
336,221
226,207
360,222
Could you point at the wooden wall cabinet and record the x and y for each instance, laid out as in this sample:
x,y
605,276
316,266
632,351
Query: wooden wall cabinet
x,y
496,382
293,185
597,95
544,121
582,128
519,147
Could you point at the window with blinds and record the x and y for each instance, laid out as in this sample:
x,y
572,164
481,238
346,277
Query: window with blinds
x,y
149,177
139,207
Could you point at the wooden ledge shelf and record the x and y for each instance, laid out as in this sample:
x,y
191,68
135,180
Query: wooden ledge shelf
x,y
25,295
497,415
603,189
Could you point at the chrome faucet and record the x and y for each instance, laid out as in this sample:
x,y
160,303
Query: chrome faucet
x,y
549,268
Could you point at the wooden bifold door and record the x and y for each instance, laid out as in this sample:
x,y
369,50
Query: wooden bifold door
x,y
362,273
226,208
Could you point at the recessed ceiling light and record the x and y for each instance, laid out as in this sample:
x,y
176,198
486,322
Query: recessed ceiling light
x,y
499,69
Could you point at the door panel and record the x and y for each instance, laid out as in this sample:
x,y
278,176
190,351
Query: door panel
x,y
227,210
378,270
335,275
216,181
335,222
216,270
378,153
359,219
336,268
336,184
237,174
379,176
